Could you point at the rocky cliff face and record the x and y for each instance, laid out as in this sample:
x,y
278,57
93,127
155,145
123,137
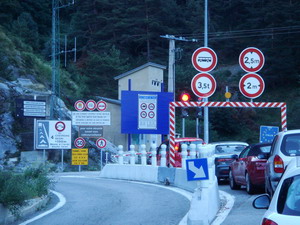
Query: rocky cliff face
x,y
9,92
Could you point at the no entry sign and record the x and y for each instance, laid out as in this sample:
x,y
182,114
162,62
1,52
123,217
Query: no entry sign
x,y
203,85
251,59
251,85
204,59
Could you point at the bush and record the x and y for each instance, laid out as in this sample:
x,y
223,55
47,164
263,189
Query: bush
x,y
16,188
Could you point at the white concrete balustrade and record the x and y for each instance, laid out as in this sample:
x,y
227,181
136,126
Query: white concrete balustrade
x,y
205,201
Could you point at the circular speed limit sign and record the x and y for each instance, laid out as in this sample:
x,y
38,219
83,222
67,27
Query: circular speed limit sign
x,y
203,85
79,142
251,85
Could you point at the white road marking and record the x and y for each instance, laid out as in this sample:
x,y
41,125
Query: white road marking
x,y
62,201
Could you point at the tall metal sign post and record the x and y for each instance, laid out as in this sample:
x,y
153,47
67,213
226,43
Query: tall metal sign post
x,y
206,119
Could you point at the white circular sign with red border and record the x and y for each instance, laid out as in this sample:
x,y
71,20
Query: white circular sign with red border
x,y
251,59
203,85
60,126
101,105
204,59
79,105
79,142
252,85
90,105
101,143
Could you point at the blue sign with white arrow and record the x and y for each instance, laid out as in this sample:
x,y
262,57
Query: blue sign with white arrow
x,y
197,169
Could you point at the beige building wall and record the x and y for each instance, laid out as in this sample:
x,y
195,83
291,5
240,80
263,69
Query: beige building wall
x,y
146,79
113,132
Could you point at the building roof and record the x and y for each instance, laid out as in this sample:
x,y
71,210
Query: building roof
x,y
140,68
110,100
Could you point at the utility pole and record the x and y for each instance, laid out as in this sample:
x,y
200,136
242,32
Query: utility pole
x,y
206,119
55,55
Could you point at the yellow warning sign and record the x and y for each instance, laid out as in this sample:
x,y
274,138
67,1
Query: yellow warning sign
x,y
80,156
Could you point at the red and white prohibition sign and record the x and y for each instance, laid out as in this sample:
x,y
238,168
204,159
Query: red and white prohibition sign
x,y
79,105
79,142
204,59
90,105
203,85
60,126
252,85
251,59
101,105
101,143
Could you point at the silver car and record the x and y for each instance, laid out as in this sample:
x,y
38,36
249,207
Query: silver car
x,y
285,146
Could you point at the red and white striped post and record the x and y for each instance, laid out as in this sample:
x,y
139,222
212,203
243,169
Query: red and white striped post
x,y
173,105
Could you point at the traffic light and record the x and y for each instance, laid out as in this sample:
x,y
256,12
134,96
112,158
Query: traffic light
x,y
184,112
185,97
199,112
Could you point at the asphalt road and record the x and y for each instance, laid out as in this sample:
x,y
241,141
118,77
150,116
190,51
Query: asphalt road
x,y
242,212
93,201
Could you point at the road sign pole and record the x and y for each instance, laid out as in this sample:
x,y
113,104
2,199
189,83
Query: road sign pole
x,y
206,121
101,159
62,160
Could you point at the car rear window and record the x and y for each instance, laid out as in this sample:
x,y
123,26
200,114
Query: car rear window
x,y
291,145
233,148
289,197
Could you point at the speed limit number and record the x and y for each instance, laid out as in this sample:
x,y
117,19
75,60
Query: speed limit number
x,y
203,85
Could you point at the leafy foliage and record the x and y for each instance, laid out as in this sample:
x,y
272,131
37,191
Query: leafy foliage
x,y
116,36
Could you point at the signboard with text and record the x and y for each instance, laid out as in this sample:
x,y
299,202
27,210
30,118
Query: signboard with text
x,y
80,156
145,112
53,134
90,118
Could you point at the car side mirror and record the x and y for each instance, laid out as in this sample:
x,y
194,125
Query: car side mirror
x,y
262,202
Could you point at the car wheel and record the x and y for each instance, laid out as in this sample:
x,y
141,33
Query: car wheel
x,y
233,185
249,186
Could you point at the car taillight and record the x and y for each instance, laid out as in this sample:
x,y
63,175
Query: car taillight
x,y
268,222
278,164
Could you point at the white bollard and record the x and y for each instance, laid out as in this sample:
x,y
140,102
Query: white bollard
x,y
120,151
132,155
183,155
163,159
153,153
198,149
192,151
143,154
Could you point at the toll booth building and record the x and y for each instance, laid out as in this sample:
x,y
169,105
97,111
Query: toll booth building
x,y
148,77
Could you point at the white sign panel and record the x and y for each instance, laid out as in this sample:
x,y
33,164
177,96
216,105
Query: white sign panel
x,y
147,112
90,118
53,134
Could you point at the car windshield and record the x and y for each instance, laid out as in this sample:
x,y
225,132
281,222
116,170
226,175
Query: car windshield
x,y
289,197
229,148
291,145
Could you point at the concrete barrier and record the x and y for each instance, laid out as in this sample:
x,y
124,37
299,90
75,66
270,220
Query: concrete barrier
x,y
205,202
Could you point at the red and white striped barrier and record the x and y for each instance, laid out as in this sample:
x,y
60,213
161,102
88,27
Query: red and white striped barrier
x,y
173,105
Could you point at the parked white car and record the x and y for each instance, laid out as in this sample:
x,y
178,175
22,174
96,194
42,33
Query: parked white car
x,y
285,146
284,208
